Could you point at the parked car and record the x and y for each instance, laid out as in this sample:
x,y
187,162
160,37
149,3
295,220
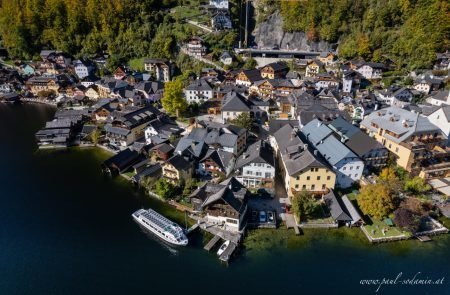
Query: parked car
x,y
262,216
223,247
270,215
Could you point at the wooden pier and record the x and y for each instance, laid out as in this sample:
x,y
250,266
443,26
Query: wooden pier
x,y
211,243
424,238
291,223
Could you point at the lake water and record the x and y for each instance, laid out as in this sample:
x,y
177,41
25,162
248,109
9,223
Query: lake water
x,y
67,229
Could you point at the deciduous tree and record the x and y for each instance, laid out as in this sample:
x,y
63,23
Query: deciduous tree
x,y
173,101
376,200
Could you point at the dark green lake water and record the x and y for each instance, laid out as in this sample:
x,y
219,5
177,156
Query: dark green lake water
x,y
66,229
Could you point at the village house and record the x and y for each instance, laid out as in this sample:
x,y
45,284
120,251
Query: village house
x,y
373,153
346,164
351,81
326,80
163,128
412,138
228,138
234,104
248,77
43,83
177,168
221,204
127,127
221,21
152,91
302,169
256,166
442,61
28,69
119,73
313,68
370,70
327,57
83,68
337,209
198,91
219,4
395,94
439,98
274,71
427,83
89,81
216,162
163,151
226,58
161,69
112,88
321,113
92,92
273,88
195,46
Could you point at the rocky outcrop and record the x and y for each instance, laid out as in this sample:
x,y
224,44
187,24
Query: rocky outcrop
x,y
270,34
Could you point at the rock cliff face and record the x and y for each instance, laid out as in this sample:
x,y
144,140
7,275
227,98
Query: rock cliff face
x,y
270,34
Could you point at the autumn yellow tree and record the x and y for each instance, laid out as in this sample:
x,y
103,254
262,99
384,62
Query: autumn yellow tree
x,y
376,200
173,101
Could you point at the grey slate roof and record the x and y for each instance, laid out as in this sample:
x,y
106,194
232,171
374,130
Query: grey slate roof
x,y
320,112
276,125
399,121
199,85
321,137
221,158
336,207
259,152
295,154
351,210
234,101
179,163
117,130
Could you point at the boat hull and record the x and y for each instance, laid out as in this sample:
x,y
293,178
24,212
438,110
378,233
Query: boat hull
x,y
159,235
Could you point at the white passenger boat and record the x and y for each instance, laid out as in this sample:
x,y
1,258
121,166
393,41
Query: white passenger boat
x,y
164,228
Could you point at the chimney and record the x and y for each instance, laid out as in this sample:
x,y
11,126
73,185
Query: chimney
x,y
315,152
305,146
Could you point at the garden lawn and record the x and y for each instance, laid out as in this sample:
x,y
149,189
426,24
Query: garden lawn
x,y
393,231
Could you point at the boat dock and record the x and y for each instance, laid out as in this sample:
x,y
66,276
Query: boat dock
x,y
211,243
291,223
423,238
192,228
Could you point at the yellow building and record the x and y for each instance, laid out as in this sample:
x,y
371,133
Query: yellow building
x,y
412,138
302,168
176,168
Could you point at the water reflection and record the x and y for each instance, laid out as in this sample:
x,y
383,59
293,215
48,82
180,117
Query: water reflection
x,y
166,246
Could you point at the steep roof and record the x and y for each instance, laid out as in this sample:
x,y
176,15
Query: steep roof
x,y
336,207
199,85
295,154
179,163
234,101
321,137
354,214
258,152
